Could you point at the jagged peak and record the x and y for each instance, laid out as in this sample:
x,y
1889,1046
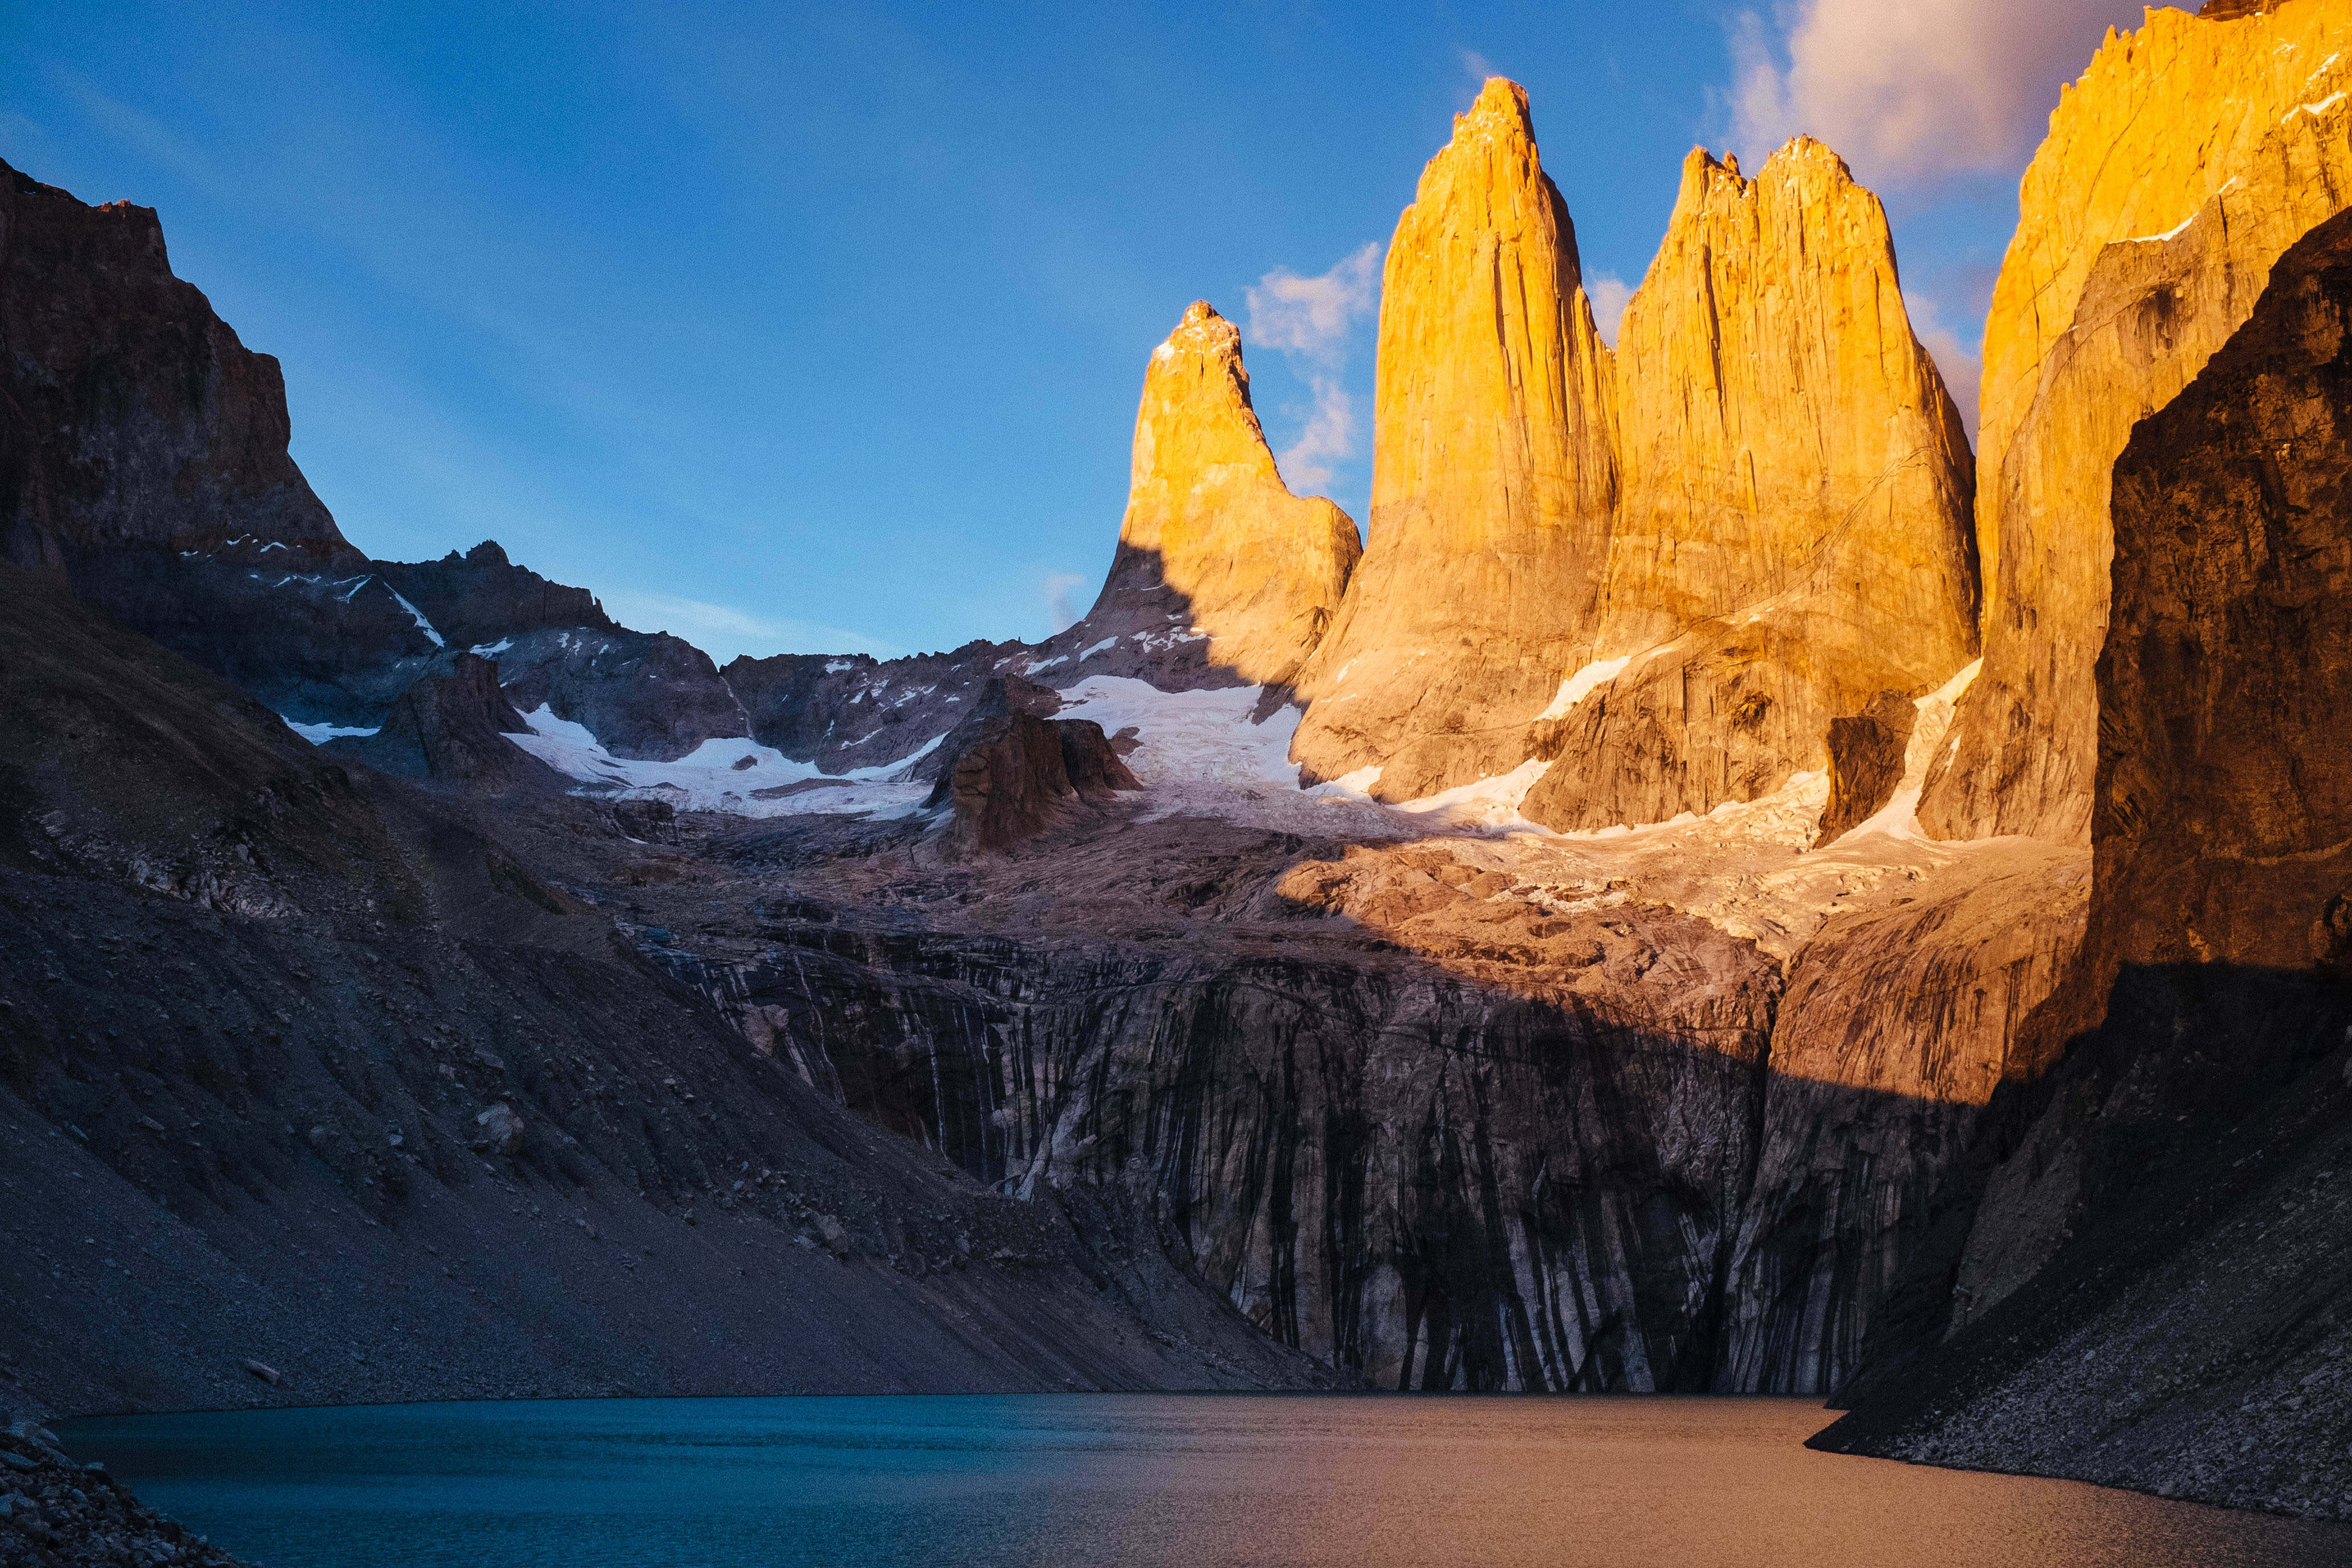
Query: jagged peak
x,y
1703,171
1501,110
1202,331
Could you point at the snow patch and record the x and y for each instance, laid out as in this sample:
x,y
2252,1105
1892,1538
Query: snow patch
x,y
2314,109
320,734
1107,642
1581,685
707,778
1488,803
2172,233
491,650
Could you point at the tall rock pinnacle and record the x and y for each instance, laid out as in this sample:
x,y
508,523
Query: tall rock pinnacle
x,y
1793,533
1213,543
2178,170
1493,478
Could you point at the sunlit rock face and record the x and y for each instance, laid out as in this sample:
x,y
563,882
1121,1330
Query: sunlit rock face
x,y
2148,1295
2177,168
1218,563
1493,478
1791,537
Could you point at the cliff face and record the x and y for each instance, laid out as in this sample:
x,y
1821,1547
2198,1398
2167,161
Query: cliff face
x,y
1220,569
133,417
1402,1117
1791,537
1493,478
2151,1294
2181,165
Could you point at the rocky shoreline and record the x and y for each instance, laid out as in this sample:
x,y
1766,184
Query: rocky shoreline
x,y
55,1513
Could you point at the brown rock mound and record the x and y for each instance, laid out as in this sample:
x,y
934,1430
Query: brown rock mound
x,y
449,734
1010,776
1792,532
1493,478
1213,545
2177,171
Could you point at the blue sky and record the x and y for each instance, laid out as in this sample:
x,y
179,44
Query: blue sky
x,y
821,327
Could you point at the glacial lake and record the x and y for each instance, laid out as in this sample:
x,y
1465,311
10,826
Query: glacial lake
x,y
1130,1479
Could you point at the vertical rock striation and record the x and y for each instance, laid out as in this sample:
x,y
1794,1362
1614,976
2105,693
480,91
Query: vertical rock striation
x,y
1493,478
2181,165
1218,563
1791,536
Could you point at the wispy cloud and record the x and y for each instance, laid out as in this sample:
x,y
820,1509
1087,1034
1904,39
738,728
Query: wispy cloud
x,y
723,631
1608,293
1913,92
1330,437
1311,315
1962,366
1058,588
1310,321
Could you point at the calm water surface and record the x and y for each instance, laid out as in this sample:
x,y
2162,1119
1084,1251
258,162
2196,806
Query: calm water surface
x,y
1126,1479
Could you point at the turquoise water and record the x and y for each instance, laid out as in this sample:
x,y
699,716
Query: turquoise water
x,y
1126,1479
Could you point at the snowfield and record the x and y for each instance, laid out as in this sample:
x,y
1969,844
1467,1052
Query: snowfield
x,y
712,776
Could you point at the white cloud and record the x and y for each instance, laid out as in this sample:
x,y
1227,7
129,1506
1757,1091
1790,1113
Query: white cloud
x,y
1962,366
1311,315
1608,293
1059,586
722,631
1330,437
1911,89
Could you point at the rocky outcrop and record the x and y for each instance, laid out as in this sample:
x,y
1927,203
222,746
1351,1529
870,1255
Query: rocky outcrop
x,y
845,711
1010,775
1493,478
1866,753
2181,165
1408,1121
1895,1030
131,418
2151,1292
481,598
1221,577
54,1511
1791,537
641,694
448,733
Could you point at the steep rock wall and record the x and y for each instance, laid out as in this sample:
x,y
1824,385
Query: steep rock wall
x,y
2176,170
2152,1291
133,417
1493,478
1791,537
